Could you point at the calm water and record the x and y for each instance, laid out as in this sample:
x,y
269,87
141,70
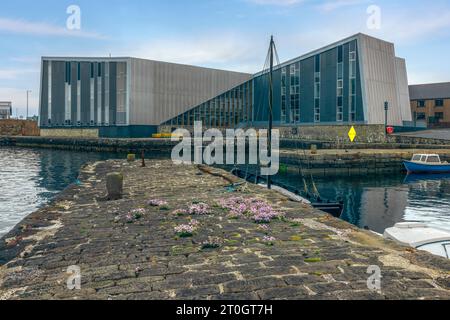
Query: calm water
x,y
380,201
30,178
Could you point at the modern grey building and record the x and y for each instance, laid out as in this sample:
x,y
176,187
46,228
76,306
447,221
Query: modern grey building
x,y
123,97
347,82
5,109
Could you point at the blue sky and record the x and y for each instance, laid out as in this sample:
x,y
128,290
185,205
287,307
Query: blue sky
x,y
228,34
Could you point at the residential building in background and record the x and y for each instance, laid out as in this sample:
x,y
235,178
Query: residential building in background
x,y
347,82
430,104
5,110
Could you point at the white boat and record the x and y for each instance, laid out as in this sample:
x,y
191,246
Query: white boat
x,y
421,236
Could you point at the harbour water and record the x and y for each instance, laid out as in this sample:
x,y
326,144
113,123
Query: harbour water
x,y
30,178
379,201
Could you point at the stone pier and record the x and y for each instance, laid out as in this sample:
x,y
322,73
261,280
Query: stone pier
x,y
170,236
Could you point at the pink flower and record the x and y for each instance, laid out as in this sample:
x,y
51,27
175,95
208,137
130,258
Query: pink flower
x,y
157,203
199,209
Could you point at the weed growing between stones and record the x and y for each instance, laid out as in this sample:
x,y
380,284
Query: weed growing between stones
x,y
187,230
269,241
132,216
157,203
212,243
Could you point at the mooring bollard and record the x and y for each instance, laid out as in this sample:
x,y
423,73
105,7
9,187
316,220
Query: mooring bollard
x,y
313,149
131,157
143,158
114,185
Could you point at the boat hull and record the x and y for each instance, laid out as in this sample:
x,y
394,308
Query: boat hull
x,y
414,167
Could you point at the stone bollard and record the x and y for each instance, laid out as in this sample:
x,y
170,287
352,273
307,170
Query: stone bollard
x,y
114,185
131,157
313,149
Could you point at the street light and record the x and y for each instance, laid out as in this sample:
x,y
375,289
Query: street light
x,y
28,92
386,108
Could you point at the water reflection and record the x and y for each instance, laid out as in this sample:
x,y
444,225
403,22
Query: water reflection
x,y
30,178
380,201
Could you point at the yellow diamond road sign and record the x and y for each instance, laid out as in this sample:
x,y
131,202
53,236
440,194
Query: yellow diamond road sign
x,y
352,134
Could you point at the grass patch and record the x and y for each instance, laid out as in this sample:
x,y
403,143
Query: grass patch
x,y
313,260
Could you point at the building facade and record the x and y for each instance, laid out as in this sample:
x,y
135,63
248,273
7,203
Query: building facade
x,y
5,110
122,97
430,104
347,82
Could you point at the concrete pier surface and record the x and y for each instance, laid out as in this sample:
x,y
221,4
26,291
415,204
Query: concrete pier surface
x,y
172,236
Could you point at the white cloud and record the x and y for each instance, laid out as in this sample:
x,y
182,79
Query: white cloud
x,y
337,4
43,29
276,2
407,27
11,74
230,51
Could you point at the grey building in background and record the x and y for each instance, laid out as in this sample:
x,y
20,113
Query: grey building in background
x,y
5,109
123,97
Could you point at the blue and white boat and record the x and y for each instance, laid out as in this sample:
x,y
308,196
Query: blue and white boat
x,y
426,163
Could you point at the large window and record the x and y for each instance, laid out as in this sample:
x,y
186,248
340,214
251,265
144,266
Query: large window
x,y
421,104
439,103
340,86
317,77
295,92
283,95
352,76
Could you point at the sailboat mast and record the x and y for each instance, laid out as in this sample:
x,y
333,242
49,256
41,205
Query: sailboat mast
x,y
269,151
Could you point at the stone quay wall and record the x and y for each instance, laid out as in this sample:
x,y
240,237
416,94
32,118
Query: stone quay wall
x,y
302,254
12,127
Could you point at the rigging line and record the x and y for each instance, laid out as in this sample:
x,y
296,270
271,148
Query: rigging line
x,y
258,109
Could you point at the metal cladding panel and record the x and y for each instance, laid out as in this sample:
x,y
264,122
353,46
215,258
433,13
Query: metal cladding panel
x,y
161,91
85,93
403,90
307,90
58,92
43,110
112,93
328,86
380,81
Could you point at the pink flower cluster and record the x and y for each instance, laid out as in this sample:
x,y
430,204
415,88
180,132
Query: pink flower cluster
x,y
199,209
269,240
157,203
187,229
132,215
259,210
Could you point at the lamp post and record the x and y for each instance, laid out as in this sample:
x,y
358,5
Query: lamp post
x,y
28,92
386,109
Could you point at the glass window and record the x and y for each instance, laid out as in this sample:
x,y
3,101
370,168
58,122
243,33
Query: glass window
x,y
433,159
421,103
421,116
416,157
439,103
340,54
439,115
340,71
317,63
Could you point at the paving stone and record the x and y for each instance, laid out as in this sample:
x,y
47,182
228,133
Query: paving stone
x,y
145,259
